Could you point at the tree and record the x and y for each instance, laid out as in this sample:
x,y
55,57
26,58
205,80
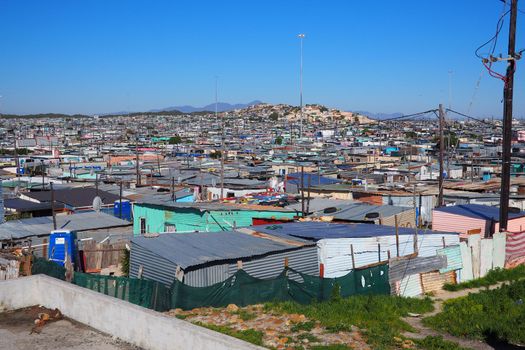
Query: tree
x,y
274,116
175,140
279,140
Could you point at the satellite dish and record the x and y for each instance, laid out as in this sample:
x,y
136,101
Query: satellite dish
x,y
97,203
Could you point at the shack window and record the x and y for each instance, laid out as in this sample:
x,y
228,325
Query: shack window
x,y
170,228
142,226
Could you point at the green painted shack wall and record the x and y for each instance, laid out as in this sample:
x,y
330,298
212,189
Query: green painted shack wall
x,y
190,220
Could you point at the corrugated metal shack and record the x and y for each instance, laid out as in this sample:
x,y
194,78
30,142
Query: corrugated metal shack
x,y
201,259
483,219
343,247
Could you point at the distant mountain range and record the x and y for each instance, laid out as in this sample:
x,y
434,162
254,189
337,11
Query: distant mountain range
x,y
379,116
221,107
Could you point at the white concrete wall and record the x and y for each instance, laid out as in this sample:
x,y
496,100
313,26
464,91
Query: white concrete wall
x,y
134,324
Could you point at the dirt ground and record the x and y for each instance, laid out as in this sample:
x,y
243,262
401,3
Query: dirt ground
x,y
286,331
18,332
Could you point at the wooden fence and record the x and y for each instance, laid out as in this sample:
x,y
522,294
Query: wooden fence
x,y
101,255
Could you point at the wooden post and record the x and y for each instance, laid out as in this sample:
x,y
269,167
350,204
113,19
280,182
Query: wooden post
x,y
44,248
286,262
379,252
443,241
388,254
239,264
353,257
397,235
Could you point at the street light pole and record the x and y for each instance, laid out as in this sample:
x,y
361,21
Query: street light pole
x,y
301,37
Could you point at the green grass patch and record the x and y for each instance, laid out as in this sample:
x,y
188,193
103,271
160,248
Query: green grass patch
x,y
303,326
310,337
245,315
378,315
496,314
249,335
493,277
436,343
330,347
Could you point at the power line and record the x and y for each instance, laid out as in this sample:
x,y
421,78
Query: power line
x,y
409,115
473,118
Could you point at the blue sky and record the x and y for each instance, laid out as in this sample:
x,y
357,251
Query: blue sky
x,y
380,56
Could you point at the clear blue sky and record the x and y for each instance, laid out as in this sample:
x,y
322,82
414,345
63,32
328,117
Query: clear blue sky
x,y
95,56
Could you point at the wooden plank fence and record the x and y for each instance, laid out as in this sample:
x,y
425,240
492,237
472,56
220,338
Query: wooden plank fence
x,y
101,255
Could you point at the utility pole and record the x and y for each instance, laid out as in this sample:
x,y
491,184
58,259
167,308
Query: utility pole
x,y
120,200
17,159
53,206
222,142
441,152
43,169
172,189
507,120
301,37
137,165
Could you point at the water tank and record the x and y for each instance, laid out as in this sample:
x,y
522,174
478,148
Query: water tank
x,y
62,242
126,209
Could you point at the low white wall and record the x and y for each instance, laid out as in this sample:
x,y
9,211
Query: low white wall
x,y
131,323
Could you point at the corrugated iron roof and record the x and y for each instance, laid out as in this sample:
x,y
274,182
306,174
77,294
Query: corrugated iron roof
x,y
478,211
357,211
18,229
215,206
192,249
321,230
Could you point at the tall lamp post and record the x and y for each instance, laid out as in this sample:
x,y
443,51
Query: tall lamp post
x,y
301,37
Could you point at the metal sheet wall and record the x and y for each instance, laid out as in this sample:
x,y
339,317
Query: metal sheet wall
x,y
453,254
335,254
303,260
153,266
159,269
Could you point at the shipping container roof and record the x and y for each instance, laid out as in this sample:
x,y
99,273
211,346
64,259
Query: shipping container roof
x,y
192,249
478,211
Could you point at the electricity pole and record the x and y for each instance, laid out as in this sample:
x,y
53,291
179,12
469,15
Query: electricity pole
x,y
301,37
507,120
441,152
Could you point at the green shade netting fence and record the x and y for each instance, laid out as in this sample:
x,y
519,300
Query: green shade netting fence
x,y
46,267
240,289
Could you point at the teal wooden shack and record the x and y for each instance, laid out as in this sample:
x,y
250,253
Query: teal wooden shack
x,y
166,216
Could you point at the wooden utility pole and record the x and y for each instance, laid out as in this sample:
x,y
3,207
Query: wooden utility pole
x,y
17,159
53,206
137,165
172,189
302,190
508,92
120,200
441,153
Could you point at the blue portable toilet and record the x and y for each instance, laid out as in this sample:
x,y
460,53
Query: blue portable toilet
x,y
486,175
126,209
60,243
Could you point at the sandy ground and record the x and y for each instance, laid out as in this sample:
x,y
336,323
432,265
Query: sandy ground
x,y
16,334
